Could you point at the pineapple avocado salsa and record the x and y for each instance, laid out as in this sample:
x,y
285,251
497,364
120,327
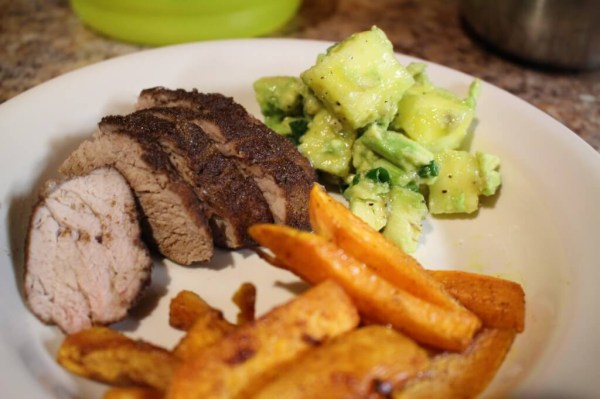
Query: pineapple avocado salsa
x,y
389,137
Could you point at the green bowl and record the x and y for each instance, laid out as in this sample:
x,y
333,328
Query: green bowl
x,y
160,22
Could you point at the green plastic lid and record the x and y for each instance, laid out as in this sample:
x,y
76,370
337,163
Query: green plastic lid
x,y
160,22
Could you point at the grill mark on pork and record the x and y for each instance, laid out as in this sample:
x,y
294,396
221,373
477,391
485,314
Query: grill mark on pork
x,y
233,201
281,172
171,210
85,261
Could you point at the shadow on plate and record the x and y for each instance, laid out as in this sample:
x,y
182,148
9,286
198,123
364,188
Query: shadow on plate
x,y
295,287
150,298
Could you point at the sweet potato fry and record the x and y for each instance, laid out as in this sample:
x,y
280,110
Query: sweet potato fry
x,y
245,299
185,308
315,259
209,327
461,375
132,393
358,364
497,302
333,221
243,361
106,355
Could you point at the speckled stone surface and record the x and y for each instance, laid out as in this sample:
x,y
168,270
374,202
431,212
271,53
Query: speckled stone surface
x,y
41,39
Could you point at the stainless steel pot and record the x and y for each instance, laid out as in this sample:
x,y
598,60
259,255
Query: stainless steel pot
x,y
558,33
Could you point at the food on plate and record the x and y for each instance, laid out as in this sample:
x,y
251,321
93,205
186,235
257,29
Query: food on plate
x,y
231,201
366,361
375,323
432,116
312,346
209,327
456,370
169,206
314,259
85,261
245,300
382,132
461,375
132,393
499,303
463,177
185,308
203,170
106,355
387,285
244,360
205,325
359,80
332,221
280,171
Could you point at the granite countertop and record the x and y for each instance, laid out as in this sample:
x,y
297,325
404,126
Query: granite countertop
x,y
41,39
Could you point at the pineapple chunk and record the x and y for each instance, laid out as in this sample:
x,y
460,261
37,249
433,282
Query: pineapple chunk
x,y
456,189
435,117
327,145
359,79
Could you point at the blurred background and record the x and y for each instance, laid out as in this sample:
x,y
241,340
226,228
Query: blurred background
x,y
41,39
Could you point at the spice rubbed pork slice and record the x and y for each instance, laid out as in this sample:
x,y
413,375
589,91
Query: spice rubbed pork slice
x,y
232,202
283,175
200,170
85,261
171,210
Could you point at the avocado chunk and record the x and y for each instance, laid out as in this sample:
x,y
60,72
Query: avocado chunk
x,y
281,100
396,148
367,199
286,104
363,160
406,211
432,116
328,145
396,211
359,79
489,176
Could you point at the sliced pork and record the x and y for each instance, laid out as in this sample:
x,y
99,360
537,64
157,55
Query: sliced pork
x,y
171,210
280,171
232,201
85,261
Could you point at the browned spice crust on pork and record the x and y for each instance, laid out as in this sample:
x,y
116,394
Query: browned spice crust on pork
x,y
283,174
232,201
170,208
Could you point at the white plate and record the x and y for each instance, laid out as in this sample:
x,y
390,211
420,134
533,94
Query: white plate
x,y
542,231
